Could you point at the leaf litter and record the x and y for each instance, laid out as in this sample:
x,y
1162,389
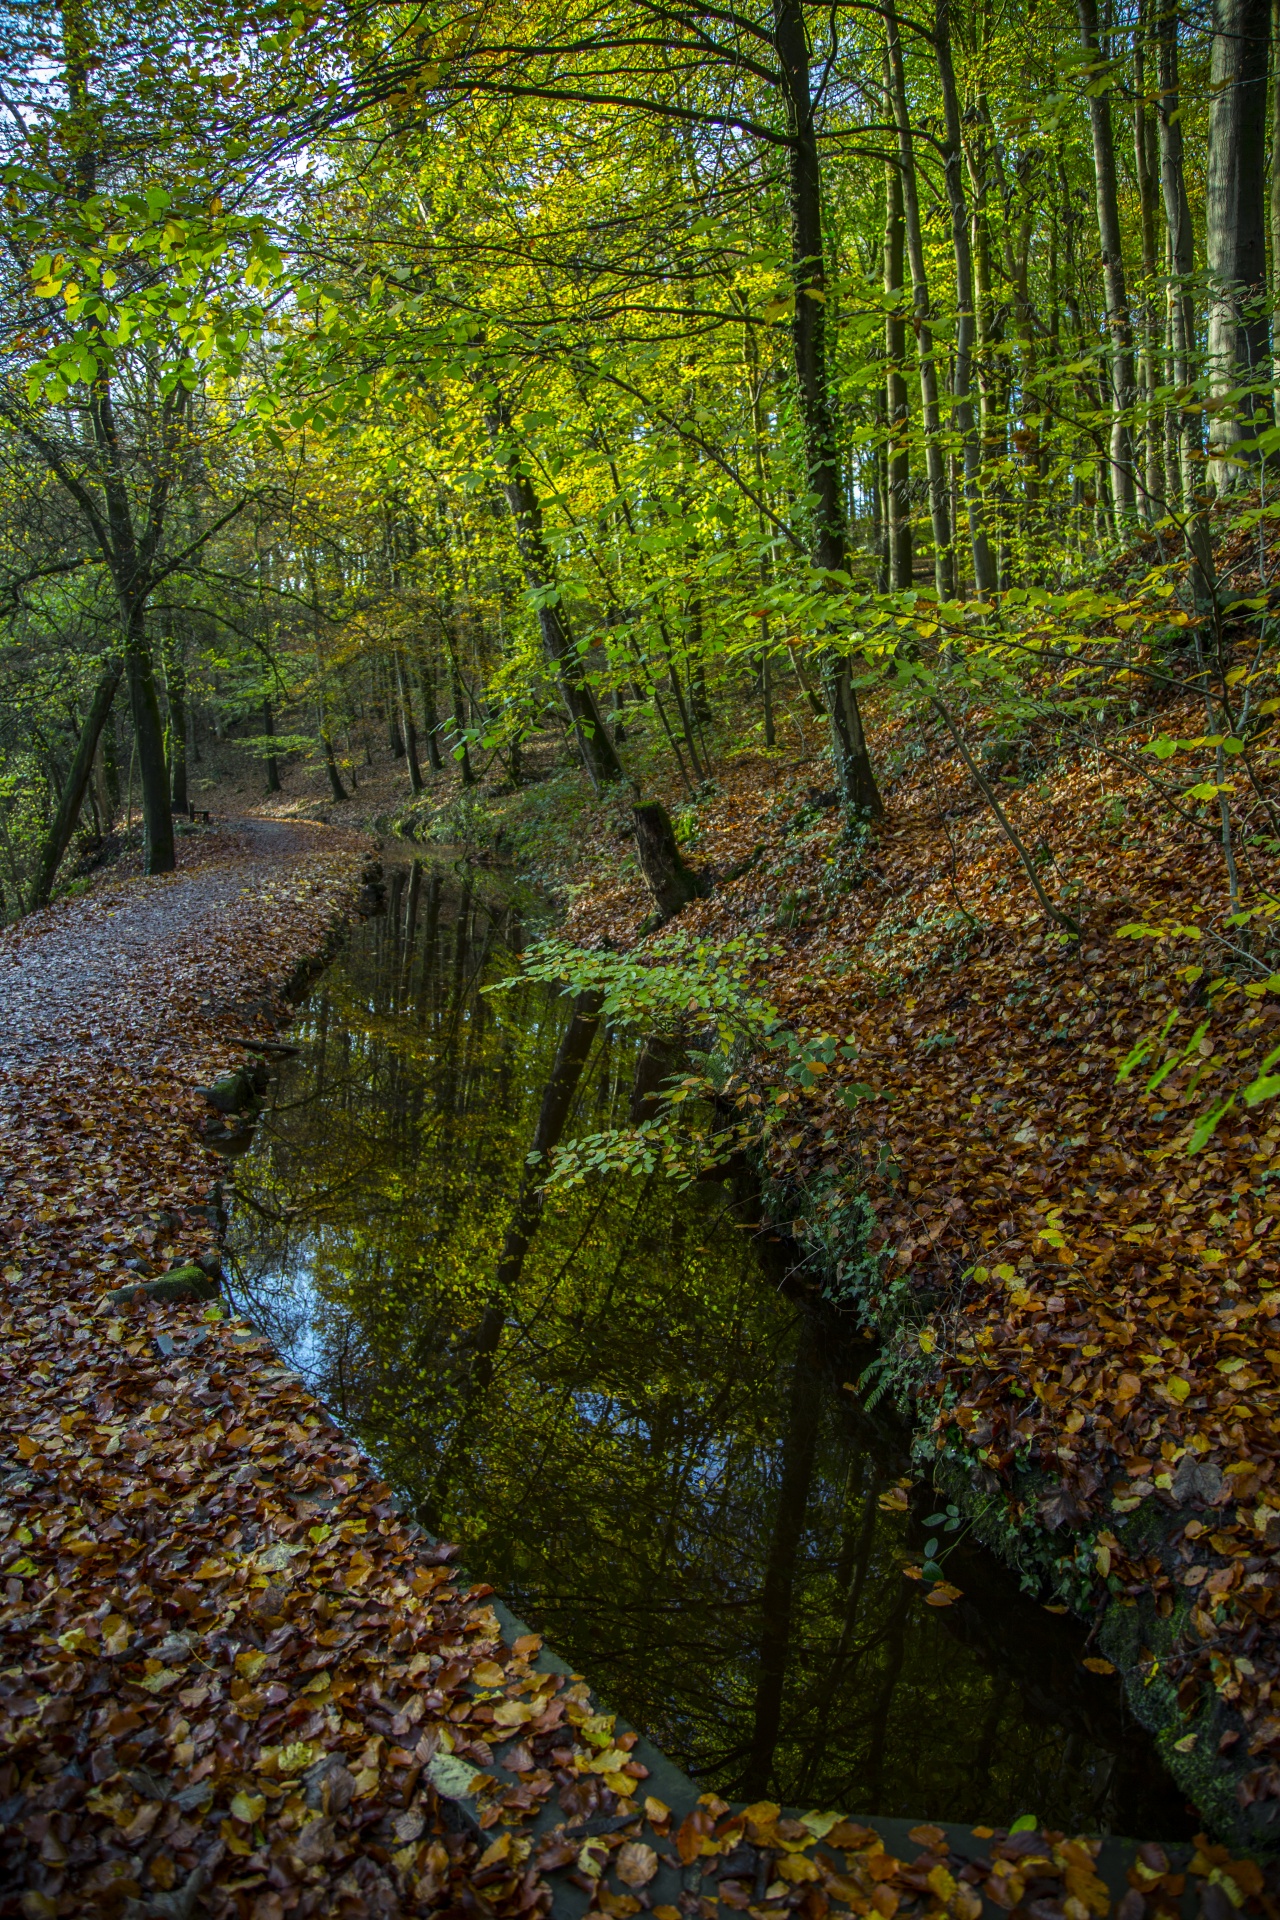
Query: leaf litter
x,y
232,1679
1085,1311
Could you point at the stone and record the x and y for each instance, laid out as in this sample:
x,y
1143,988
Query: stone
x,y
184,1283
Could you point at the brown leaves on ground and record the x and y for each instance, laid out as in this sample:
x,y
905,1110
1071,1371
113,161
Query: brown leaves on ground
x,y
226,1668
1094,1301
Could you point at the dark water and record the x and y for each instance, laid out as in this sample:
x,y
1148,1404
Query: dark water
x,y
665,1472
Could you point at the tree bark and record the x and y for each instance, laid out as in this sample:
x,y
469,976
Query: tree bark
x,y
1182,313
1119,323
63,825
897,415
175,682
984,573
1235,234
148,733
431,720
935,463
599,756
273,765
1147,166
407,723
1275,198
850,756
672,883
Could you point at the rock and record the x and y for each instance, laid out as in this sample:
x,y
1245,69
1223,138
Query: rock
x,y
184,1283
232,1093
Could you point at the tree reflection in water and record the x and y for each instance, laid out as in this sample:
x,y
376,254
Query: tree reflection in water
x,y
637,1431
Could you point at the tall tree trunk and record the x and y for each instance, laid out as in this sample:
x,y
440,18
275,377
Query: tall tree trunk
x,y
850,756
935,462
148,733
1275,200
431,720
407,722
984,573
599,756
897,415
336,787
1235,233
63,825
175,682
1146,167
465,773
1182,312
1119,323
273,765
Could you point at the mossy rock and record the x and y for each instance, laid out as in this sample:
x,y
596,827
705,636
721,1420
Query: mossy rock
x,y
184,1283
233,1093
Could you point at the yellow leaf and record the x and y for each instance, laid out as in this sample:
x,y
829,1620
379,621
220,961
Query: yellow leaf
x,y
239,1437
248,1807
514,1713
797,1868
928,1339
250,1664
1097,1665
1177,1388
295,1756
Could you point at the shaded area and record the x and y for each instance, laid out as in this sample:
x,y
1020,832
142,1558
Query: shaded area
x,y
638,1431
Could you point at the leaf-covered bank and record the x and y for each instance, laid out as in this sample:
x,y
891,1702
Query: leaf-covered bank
x,y
1078,1308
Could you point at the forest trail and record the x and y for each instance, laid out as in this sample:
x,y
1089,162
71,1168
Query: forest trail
x,y
98,975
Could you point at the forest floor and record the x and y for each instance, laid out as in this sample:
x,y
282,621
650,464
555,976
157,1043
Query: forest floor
x,y
224,1662
1082,1314
233,1681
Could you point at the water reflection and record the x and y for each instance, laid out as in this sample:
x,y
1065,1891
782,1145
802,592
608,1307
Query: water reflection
x,y
640,1435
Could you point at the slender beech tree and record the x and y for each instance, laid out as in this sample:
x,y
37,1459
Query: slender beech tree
x,y
1236,234
809,328
1119,319
921,315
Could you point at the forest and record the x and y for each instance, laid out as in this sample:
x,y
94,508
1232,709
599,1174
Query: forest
x,y
766,515
647,379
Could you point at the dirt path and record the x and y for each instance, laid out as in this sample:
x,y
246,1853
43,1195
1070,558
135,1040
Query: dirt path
x,y
206,1602
108,972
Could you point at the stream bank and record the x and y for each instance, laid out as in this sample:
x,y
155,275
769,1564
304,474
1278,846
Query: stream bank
x,y
1081,1310
663,1466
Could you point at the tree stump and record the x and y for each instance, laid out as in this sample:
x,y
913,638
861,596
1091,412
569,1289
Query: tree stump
x,y
672,883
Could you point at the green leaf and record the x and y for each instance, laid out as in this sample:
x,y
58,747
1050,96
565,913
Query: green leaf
x,y
1206,1126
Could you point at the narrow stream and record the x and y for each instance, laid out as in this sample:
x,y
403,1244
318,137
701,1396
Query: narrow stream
x,y
666,1473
